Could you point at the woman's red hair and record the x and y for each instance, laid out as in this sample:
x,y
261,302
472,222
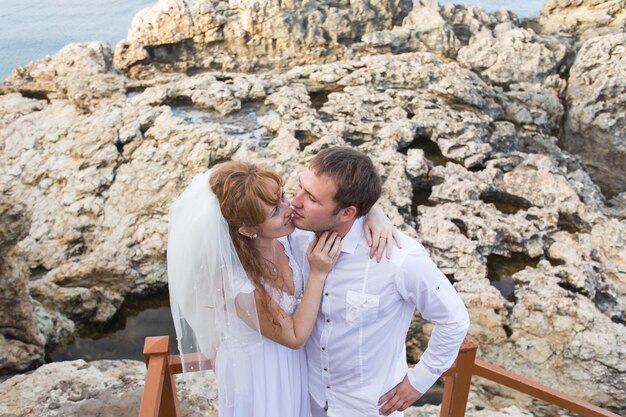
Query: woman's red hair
x,y
240,187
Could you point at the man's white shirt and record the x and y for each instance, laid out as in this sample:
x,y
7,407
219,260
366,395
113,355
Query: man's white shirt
x,y
357,351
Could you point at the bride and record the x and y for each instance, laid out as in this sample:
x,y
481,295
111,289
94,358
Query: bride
x,y
237,296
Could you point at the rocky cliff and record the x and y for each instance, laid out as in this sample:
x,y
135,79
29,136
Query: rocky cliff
x,y
500,143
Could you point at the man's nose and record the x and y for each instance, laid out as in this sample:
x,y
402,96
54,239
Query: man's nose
x,y
297,199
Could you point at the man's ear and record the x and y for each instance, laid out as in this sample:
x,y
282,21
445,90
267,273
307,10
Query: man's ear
x,y
347,214
244,231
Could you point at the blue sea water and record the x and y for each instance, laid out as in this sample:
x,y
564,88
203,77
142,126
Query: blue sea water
x,y
524,8
31,29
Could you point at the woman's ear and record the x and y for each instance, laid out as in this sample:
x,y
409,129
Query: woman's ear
x,y
244,231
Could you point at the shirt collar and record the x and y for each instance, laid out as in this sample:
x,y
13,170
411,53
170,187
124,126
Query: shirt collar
x,y
352,238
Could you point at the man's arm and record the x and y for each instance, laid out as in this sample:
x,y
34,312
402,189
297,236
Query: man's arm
x,y
420,282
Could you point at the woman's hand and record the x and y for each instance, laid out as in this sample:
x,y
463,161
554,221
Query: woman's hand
x,y
322,253
294,330
379,232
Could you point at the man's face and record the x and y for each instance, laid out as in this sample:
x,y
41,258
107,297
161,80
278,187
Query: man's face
x,y
314,205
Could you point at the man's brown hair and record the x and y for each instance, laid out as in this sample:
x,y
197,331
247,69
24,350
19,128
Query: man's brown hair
x,y
358,183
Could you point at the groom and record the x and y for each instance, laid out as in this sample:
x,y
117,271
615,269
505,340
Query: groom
x,y
356,353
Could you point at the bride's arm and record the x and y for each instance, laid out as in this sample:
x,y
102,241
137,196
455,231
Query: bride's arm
x,y
294,331
379,232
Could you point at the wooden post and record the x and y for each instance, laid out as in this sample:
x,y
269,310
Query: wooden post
x,y
159,397
457,382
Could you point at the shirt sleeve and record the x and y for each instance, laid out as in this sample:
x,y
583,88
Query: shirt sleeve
x,y
420,282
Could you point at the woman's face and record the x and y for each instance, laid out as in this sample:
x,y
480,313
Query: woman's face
x,y
278,220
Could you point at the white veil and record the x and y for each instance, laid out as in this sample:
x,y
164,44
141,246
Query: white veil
x,y
211,297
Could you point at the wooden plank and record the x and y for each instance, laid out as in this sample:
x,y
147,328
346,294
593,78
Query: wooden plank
x,y
198,361
537,390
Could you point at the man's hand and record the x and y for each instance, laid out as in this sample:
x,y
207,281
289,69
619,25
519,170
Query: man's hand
x,y
399,398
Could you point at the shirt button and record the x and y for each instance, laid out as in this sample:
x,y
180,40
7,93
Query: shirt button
x,y
326,369
323,348
326,294
327,320
328,386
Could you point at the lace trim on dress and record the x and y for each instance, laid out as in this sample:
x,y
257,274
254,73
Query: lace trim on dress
x,y
285,300
298,279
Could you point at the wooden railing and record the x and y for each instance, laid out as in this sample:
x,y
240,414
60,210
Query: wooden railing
x,y
160,400
159,397
457,383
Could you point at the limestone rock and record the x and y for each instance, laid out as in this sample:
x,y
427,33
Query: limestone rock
x,y
96,304
100,388
433,30
443,30
545,186
423,29
584,18
54,326
568,338
18,356
536,106
20,341
616,207
584,253
14,106
465,142
470,22
560,228
80,72
513,55
185,35
595,127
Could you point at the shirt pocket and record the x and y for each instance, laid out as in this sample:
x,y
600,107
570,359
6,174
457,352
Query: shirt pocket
x,y
361,307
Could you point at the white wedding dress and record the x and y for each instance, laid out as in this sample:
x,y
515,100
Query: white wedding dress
x,y
275,375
